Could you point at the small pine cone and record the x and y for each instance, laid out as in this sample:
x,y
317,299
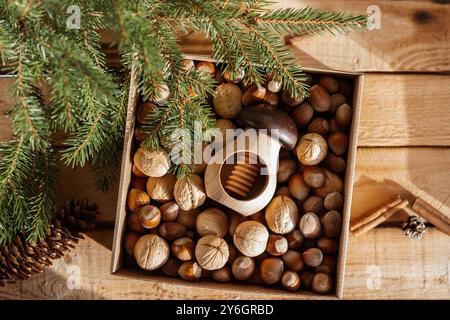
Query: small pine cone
x,y
414,228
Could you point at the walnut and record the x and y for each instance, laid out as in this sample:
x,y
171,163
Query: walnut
x,y
161,188
151,252
227,100
211,252
281,215
153,163
212,221
250,238
311,149
189,192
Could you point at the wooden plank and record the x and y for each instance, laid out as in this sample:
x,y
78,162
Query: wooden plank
x,y
405,110
414,36
383,264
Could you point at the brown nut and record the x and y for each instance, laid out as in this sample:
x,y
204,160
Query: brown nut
x,y
297,187
319,126
293,261
235,220
271,98
189,192
162,95
211,252
151,252
153,163
277,245
137,198
302,114
338,142
319,98
130,242
333,201
149,216
289,100
310,225
253,94
295,239
330,84
243,267
290,281
161,188
250,238
331,223
170,268
284,191
227,100
327,245
311,149
206,67
271,270
138,183
140,134
334,163
327,266
133,223
322,283
183,249
143,112
212,221
337,100
234,77
313,257
344,116
313,204
188,218
333,183
273,84
222,275
172,230
190,271
307,279
286,168
281,215
314,176
169,211
136,172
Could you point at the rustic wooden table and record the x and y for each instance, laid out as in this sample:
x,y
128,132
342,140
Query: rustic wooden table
x,y
403,148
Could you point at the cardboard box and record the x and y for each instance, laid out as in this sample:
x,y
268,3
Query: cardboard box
x,y
117,266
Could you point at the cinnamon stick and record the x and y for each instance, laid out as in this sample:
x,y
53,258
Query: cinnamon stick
x,y
432,215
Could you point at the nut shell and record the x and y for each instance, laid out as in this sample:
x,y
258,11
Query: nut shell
x,y
189,192
297,187
227,100
250,238
153,163
211,252
290,281
277,245
286,168
151,252
190,271
243,267
302,114
137,198
161,188
149,216
212,221
322,283
183,249
313,257
310,225
319,98
169,211
281,215
311,149
333,183
271,270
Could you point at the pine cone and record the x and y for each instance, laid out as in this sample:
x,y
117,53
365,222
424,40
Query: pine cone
x,y
79,215
414,228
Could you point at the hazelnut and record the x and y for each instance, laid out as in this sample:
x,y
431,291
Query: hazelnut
x,y
333,201
162,96
334,163
313,257
331,223
277,245
222,275
286,168
327,266
293,261
258,217
271,98
289,99
311,149
136,172
294,239
227,100
290,281
170,268
344,116
253,94
302,114
188,218
333,127
143,111
281,215
211,252
223,125
130,242
310,225
161,188
235,220
133,223
183,249
273,84
322,283
212,221
337,100
234,77
138,183
169,211
338,142
243,267
206,67
151,252
137,198
319,126
319,98
172,230
314,176
250,238
271,270
153,163
297,187
189,192
149,216
190,271
333,183
327,245
313,204
330,84
188,64
307,279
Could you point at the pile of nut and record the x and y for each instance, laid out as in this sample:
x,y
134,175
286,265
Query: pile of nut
x,y
174,228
